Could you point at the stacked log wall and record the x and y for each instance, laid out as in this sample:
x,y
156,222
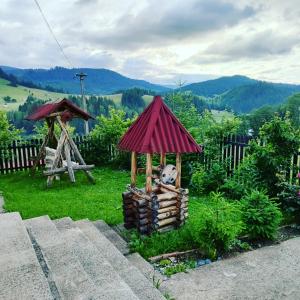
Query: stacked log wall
x,y
161,211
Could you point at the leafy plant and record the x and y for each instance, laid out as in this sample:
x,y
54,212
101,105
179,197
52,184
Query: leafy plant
x,y
105,137
233,189
272,158
170,270
164,262
217,225
7,131
260,215
156,282
205,181
289,198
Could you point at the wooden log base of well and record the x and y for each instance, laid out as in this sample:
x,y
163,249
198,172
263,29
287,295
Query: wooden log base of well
x,y
168,214
166,228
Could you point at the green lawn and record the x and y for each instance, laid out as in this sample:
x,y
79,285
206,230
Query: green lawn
x,y
103,200
29,195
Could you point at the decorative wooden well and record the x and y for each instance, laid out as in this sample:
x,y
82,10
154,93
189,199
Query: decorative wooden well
x,y
162,204
63,156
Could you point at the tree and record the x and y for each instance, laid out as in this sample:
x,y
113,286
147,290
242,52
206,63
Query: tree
x,y
133,98
293,107
8,132
110,129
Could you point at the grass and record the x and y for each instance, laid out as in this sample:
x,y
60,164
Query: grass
x,y
31,198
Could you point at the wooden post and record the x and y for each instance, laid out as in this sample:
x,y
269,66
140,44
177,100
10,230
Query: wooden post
x,y
133,169
57,156
163,161
149,173
178,169
75,149
69,162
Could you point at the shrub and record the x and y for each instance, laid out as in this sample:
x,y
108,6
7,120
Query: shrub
x,y
260,215
289,198
105,137
205,181
233,189
216,225
273,157
155,244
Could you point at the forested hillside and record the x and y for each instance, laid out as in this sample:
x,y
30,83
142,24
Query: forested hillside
x,y
245,98
213,87
242,94
98,81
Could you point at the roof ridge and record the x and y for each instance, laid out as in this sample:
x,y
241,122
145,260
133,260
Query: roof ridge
x,y
157,104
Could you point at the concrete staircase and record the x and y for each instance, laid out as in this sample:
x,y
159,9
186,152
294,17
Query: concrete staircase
x,y
63,259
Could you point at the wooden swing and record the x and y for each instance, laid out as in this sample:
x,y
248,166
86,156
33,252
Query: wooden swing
x,y
60,160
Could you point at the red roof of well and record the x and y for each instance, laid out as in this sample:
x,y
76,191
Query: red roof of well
x,y
157,130
70,111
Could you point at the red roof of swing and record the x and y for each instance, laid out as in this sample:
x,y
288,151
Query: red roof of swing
x,y
70,111
157,130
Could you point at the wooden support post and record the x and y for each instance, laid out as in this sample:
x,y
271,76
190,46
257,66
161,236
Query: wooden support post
x,y
149,173
163,160
75,149
57,156
69,162
178,169
133,169
50,134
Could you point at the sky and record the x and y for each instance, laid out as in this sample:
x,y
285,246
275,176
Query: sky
x,y
162,41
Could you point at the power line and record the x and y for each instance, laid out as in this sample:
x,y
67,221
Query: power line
x,y
52,33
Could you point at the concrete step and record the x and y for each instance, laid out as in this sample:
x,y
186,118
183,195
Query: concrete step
x,y
144,267
130,274
65,270
113,236
21,276
64,224
96,266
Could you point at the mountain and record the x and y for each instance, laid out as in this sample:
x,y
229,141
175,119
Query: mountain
x,y
211,88
245,98
242,94
98,81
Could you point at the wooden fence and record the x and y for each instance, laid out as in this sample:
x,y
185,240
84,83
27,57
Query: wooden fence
x,y
234,149
18,155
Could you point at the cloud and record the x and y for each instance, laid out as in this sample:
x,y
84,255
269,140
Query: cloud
x,y
259,44
170,21
157,40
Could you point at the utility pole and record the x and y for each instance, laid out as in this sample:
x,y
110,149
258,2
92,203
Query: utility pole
x,y
81,78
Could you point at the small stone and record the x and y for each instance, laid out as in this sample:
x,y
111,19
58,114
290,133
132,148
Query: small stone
x,y
172,259
207,261
200,262
227,274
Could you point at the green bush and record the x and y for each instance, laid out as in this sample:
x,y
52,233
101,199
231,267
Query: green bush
x,y
217,224
289,199
233,189
205,181
213,225
260,215
155,244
